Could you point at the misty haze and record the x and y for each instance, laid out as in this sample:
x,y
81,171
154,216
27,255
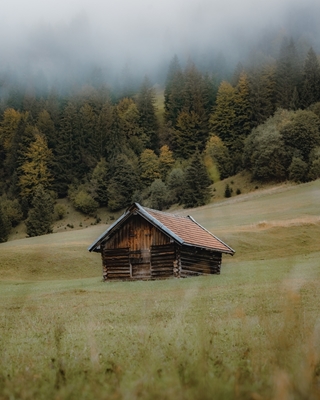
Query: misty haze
x,y
65,41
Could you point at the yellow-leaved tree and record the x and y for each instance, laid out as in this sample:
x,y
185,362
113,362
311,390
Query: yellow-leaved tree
x,y
35,170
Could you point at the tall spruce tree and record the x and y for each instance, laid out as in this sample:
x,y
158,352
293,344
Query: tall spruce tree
x,y
123,183
40,217
147,110
311,80
288,75
197,182
5,226
173,93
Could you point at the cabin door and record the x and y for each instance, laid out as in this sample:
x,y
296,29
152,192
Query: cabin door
x,y
140,259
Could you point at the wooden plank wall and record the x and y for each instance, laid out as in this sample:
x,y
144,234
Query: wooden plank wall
x,y
116,264
162,261
199,262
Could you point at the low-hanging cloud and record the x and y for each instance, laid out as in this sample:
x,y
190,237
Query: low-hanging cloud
x,y
61,36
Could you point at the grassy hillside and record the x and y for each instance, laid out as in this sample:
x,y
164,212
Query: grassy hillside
x,y
250,333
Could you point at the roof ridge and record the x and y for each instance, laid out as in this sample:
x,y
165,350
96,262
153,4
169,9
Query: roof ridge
x,y
164,212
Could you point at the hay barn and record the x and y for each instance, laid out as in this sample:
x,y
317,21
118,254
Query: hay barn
x,y
148,244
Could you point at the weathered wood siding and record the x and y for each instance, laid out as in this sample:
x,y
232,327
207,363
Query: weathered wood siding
x,y
163,259
195,262
116,263
128,253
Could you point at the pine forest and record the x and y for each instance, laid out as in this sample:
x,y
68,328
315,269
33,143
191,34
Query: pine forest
x,y
157,143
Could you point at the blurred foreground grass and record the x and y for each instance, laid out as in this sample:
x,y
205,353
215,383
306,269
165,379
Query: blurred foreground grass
x,y
251,333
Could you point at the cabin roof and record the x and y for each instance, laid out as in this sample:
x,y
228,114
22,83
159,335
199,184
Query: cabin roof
x,y
184,230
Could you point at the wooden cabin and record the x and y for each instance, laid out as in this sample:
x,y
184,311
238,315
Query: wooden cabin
x,y
150,244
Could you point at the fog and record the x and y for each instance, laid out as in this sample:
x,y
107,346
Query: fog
x,y
62,39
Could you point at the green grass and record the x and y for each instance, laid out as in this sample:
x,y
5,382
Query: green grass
x,y
252,332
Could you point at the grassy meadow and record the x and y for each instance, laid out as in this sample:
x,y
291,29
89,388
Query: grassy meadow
x,y
252,332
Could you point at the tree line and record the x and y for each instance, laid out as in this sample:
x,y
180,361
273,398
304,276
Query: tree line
x,y
106,151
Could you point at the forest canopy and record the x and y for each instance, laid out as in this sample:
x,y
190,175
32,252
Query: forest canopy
x,y
161,143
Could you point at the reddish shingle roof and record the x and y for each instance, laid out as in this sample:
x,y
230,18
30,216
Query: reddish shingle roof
x,y
189,231
184,230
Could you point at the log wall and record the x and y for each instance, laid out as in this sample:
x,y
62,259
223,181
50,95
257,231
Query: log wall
x,y
199,262
139,251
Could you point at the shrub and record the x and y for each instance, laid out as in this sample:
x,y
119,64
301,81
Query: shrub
x,y
85,203
297,170
59,211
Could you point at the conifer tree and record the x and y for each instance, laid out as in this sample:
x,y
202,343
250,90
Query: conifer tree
x,y
40,217
67,152
88,127
288,74
123,183
147,111
173,93
311,80
46,127
103,127
223,118
115,140
99,182
197,182
5,226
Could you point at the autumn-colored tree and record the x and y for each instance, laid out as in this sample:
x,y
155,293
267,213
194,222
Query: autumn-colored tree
x,y
166,161
149,167
35,170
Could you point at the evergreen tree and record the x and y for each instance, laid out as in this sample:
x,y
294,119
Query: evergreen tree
x,y
88,131
103,127
123,183
46,127
5,226
176,185
147,111
116,142
40,217
130,117
99,182
311,80
173,93
288,74
197,182
222,120
262,91
67,165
